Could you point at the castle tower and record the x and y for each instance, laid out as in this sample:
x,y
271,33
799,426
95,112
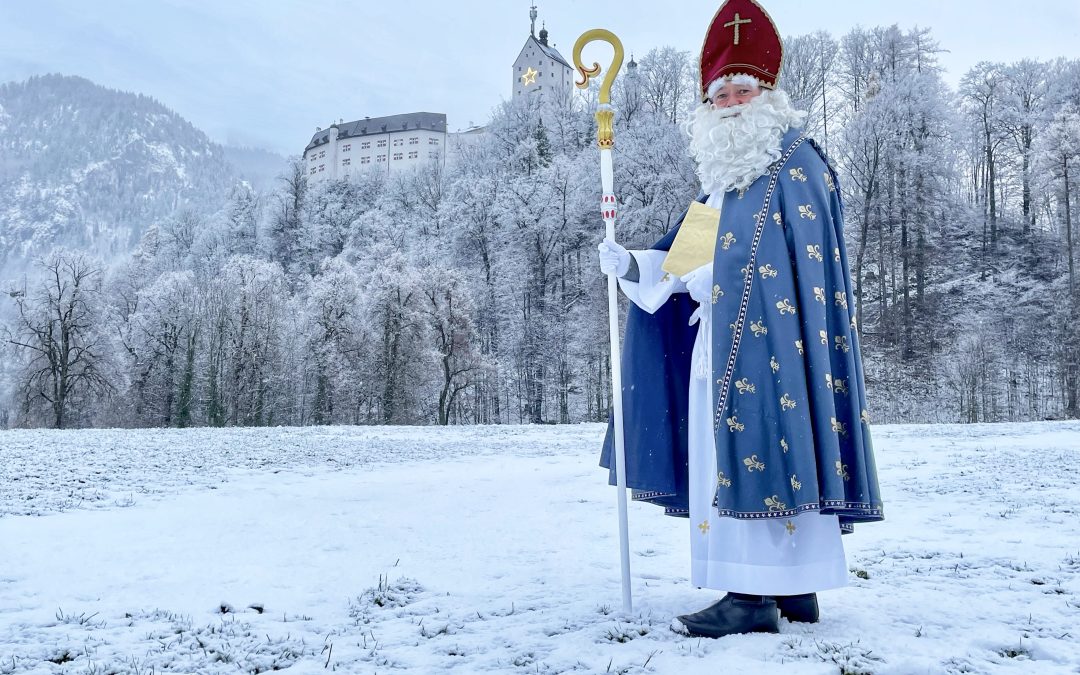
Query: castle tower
x,y
540,70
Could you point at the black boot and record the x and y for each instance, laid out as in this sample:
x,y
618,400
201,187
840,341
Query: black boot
x,y
801,608
734,613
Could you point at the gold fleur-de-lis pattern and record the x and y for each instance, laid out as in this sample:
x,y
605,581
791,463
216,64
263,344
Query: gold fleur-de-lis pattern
x,y
814,251
865,417
785,307
777,219
828,380
840,386
819,294
745,386
830,182
752,464
790,526
734,425
727,240
796,485
767,272
787,403
799,346
775,504
807,211
824,337
758,328
841,470
797,174
784,445
717,293
841,299
854,324
842,344
722,480
704,527
774,364
836,254
838,427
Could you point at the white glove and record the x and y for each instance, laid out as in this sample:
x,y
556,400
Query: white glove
x,y
614,259
699,284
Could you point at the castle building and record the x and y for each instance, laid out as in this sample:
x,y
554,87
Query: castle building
x,y
387,143
540,69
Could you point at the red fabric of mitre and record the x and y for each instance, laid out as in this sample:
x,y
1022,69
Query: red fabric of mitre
x,y
758,50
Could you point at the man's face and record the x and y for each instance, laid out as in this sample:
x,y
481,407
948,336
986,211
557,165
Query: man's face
x,y
731,94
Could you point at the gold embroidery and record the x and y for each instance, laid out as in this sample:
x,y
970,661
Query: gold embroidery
x,y
722,480
734,424
854,324
727,240
824,337
797,174
767,272
865,417
838,427
836,254
785,307
775,504
807,211
745,386
752,464
842,343
774,364
841,470
777,219
704,527
828,380
799,346
814,251
716,293
737,22
790,527
829,181
787,403
666,278
841,299
841,387
819,294
759,328
784,445
795,484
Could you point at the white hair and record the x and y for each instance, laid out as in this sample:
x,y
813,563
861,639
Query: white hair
x,y
740,78
734,146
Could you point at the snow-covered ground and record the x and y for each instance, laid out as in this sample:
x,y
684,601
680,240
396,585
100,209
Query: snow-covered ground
x,y
494,549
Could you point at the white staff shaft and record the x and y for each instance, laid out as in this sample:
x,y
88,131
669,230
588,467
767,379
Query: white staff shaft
x,y
607,181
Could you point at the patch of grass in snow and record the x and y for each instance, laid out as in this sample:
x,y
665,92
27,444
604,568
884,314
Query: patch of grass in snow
x,y
386,595
78,619
850,658
624,634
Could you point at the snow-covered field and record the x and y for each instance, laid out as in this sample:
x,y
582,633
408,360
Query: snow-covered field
x,y
494,549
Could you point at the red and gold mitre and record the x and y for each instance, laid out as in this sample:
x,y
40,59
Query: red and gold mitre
x,y
742,39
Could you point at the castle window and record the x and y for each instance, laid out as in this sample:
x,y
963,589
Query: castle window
x,y
322,167
365,160
433,141
322,154
313,170
413,154
414,140
346,161
346,147
381,158
397,155
382,143
366,145
398,142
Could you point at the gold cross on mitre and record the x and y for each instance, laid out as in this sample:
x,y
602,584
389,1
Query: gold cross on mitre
x,y
736,24
529,77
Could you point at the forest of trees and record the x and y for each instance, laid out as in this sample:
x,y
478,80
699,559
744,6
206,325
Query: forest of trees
x,y
470,293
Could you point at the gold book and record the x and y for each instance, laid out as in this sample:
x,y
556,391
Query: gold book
x,y
696,241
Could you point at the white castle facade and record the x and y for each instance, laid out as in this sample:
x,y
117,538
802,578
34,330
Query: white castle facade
x,y
409,140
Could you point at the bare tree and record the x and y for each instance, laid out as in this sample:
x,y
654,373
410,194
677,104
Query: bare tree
x,y
57,331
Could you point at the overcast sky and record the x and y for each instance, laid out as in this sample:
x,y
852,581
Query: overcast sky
x,y
265,73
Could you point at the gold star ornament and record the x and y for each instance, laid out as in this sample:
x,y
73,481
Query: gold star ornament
x,y
529,77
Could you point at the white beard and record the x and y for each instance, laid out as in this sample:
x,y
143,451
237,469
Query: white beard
x,y
735,146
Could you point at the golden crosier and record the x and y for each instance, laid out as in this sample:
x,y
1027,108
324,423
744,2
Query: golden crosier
x,y
605,117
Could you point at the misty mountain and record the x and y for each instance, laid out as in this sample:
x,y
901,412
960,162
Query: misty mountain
x,y
91,168
261,168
